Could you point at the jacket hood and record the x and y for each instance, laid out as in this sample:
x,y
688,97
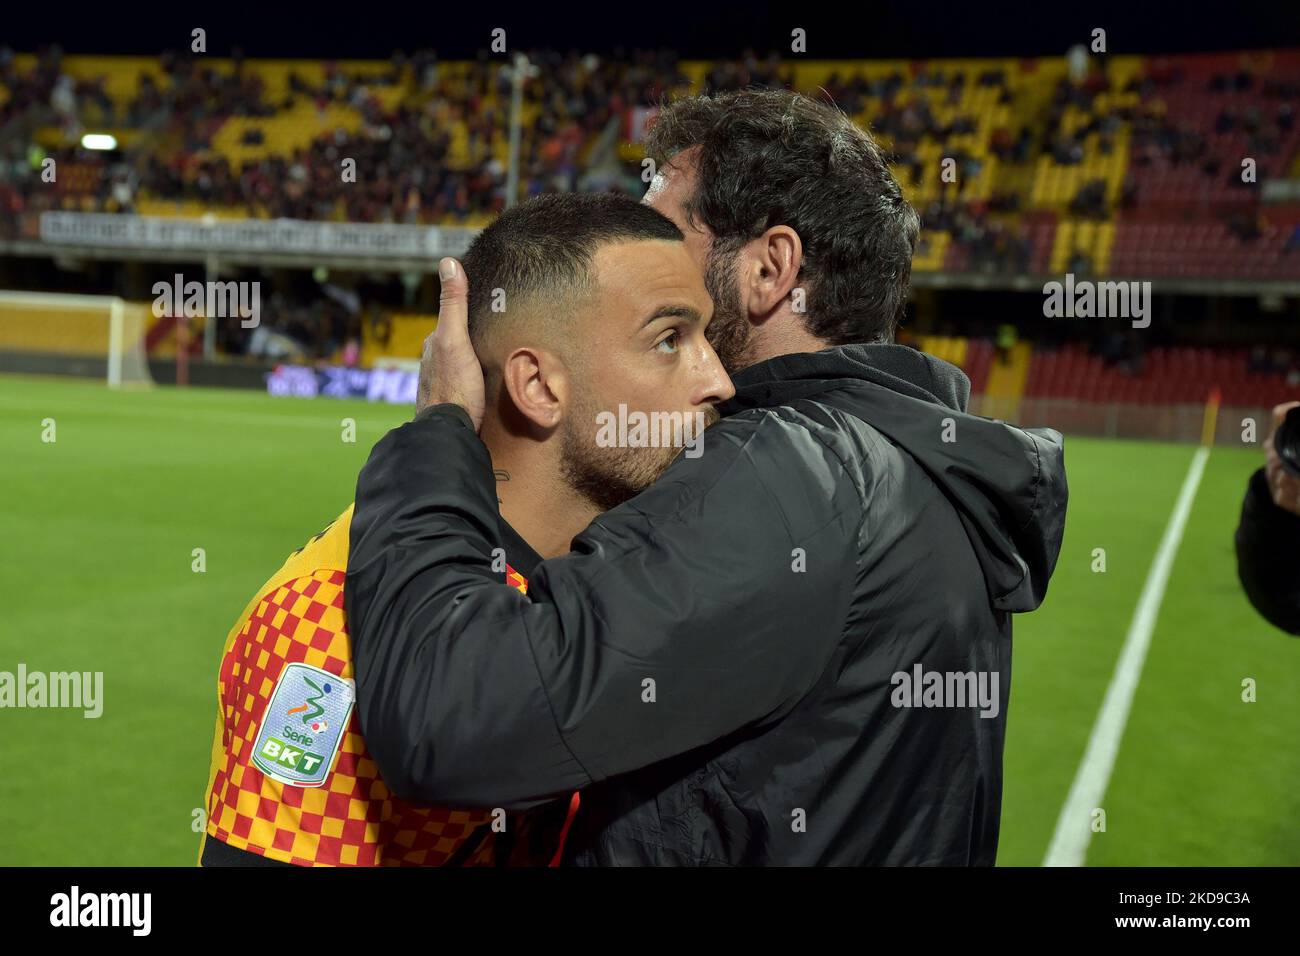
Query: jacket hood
x,y
1007,483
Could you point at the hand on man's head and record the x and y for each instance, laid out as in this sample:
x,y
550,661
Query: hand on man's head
x,y
449,368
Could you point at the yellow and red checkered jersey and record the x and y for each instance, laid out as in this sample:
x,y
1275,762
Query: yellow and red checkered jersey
x,y
349,818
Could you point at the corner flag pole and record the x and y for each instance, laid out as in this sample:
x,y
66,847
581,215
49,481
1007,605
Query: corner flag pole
x,y
1209,426
182,350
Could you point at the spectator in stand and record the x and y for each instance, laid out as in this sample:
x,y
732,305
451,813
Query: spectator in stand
x,y
1293,241
1246,226
1006,341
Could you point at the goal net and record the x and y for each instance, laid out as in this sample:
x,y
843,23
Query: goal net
x,y
87,335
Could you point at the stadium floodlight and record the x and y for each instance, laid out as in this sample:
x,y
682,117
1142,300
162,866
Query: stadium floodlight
x,y
520,73
99,141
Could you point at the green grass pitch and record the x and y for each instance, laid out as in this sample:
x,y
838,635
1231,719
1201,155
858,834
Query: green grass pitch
x,y
100,525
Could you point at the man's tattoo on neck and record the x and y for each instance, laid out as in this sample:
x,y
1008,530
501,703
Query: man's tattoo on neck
x,y
500,474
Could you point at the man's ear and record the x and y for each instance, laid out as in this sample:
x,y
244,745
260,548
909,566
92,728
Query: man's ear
x,y
538,384
772,263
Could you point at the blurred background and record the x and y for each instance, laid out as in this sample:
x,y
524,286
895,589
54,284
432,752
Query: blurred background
x,y
322,169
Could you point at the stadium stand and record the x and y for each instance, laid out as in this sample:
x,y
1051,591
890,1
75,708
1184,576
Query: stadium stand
x,y
1131,169
1128,167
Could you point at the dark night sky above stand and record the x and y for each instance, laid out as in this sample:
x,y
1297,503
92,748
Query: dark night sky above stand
x,y
343,29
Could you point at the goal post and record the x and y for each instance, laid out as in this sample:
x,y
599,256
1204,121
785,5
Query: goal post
x,y
85,335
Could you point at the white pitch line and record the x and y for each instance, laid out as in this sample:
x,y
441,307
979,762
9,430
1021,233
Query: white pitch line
x,y
194,415
1069,845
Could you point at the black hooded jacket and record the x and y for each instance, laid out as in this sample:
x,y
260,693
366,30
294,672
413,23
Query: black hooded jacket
x,y
794,648
1268,538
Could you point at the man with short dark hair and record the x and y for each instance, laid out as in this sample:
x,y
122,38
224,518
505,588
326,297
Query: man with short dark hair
x,y
582,303
792,649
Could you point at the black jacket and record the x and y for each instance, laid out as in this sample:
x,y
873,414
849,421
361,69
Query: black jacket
x,y
719,663
1268,556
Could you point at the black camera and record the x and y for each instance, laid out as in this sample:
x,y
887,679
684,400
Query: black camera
x,y
1287,441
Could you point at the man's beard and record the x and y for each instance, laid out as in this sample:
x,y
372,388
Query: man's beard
x,y
729,332
610,476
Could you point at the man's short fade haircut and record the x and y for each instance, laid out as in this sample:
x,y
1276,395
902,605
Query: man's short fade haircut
x,y
544,248
771,157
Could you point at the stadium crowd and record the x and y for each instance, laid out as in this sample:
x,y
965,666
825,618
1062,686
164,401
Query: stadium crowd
x,y
430,137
